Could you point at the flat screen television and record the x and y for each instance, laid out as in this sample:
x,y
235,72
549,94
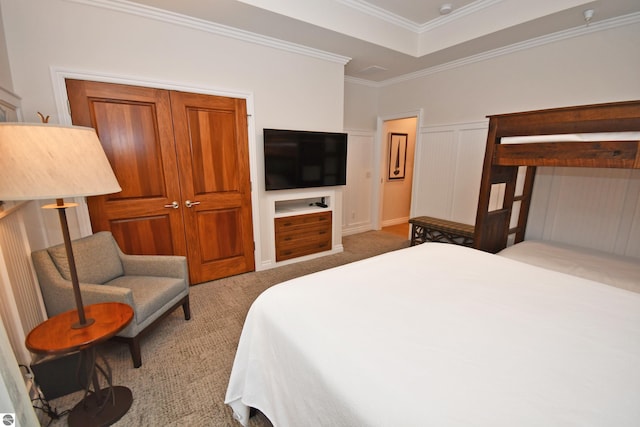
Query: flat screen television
x,y
304,159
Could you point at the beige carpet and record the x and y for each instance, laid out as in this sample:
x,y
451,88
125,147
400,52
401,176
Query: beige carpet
x,y
186,365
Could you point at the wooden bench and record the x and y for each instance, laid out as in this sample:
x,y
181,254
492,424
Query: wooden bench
x,y
428,229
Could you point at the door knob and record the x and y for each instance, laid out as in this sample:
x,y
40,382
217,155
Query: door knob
x,y
189,203
174,205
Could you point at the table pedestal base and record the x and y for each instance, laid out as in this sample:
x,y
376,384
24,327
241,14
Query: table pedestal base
x,y
88,412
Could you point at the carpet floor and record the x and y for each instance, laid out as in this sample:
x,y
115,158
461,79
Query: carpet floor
x,y
186,364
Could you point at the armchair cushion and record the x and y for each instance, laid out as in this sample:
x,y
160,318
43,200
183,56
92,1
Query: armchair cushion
x,y
150,293
96,256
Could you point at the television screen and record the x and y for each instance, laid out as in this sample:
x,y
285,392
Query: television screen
x,y
303,159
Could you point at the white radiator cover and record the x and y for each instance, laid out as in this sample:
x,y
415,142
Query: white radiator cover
x,y
21,306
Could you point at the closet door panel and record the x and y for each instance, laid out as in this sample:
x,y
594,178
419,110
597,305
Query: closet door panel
x,y
215,165
136,235
212,147
220,223
136,158
135,129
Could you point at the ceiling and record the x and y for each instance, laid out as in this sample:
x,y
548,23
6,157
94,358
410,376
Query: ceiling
x,y
386,39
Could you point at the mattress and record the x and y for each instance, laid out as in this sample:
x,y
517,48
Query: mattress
x,y
615,270
440,335
572,137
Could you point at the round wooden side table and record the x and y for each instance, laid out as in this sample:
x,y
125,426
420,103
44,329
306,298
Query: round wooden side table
x,y
56,335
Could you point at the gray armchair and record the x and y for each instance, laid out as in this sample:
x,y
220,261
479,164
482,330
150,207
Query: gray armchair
x,y
153,285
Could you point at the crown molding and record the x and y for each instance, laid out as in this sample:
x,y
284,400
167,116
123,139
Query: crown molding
x,y
416,27
362,82
382,14
621,21
131,8
462,12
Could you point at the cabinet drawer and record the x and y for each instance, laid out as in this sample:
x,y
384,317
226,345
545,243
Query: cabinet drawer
x,y
301,235
308,247
302,221
299,241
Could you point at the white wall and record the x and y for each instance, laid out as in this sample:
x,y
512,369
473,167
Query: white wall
x,y
600,66
358,197
448,170
360,105
288,90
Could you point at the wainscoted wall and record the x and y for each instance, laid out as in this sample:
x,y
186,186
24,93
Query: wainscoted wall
x,y
594,208
448,167
358,194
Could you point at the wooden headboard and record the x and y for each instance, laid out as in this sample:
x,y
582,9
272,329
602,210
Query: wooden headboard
x,y
501,161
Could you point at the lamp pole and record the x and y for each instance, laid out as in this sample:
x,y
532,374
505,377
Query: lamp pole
x,y
62,214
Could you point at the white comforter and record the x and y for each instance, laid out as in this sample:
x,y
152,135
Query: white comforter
x,y
440,335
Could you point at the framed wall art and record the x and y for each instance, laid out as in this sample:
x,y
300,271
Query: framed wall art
x,y
397,155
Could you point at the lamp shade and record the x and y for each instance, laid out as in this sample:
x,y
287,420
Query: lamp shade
x,y
42,161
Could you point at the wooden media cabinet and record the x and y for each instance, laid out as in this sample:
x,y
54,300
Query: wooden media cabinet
x,y
300,235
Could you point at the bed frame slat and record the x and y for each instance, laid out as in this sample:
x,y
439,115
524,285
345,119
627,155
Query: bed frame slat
x,y
609,154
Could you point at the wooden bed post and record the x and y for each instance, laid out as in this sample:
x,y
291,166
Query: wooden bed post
x,y
492,227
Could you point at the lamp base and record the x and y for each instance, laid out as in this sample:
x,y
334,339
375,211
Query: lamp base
x,y
79,325
89,412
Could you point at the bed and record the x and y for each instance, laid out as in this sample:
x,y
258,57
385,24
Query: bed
x,y
445,335
593,136
383,343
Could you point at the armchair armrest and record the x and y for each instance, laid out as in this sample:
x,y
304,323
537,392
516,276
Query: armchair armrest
x,y
155,265
93,294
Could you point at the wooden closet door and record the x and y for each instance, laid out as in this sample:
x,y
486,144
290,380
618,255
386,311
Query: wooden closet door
x,y
135,128
168,147
212,146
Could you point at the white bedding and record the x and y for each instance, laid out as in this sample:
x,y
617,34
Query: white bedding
x,y
572,137
615,270
440,335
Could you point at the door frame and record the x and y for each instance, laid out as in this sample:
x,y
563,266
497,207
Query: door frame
x,y
380,163
58,76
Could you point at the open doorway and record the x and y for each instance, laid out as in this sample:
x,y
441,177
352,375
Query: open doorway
x,y
398,142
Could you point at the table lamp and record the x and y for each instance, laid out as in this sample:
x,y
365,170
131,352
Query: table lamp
x,y
42,161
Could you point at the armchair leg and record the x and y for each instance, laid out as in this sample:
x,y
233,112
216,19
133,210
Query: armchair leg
x,y
134,348
134,343
186,308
